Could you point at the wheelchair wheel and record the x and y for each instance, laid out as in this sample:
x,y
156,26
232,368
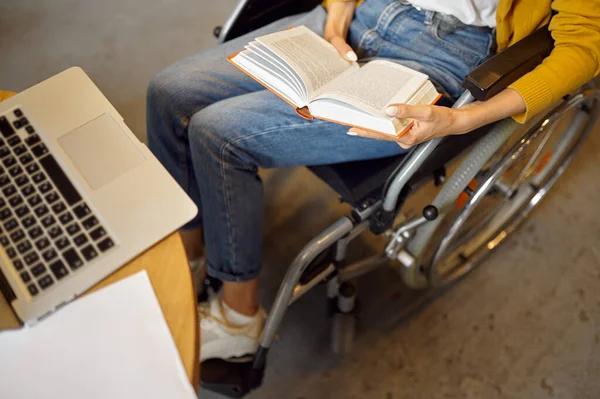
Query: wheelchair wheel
x,y
506,190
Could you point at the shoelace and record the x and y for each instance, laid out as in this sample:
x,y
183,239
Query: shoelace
x,y
205,313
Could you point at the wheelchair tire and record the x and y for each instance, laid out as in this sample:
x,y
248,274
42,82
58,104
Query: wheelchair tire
x,y
509,187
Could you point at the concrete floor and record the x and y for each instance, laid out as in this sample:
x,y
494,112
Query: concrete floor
x,y
523,326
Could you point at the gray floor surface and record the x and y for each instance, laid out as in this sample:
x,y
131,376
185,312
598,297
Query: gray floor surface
x,y
523,326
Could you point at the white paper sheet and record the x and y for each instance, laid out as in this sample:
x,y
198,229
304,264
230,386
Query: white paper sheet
x,y
114,343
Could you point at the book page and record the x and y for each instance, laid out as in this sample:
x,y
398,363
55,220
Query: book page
x,y
274,69
314,59
374,86
267,54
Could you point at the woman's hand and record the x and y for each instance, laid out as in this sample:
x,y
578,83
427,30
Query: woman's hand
x,y
339,16
432,121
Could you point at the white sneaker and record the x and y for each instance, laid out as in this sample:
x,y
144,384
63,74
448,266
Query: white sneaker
x,y
221,338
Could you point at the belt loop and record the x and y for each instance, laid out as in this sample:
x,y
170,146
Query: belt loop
x,y
429,17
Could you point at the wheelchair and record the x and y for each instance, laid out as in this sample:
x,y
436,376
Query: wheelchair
x,y
487,182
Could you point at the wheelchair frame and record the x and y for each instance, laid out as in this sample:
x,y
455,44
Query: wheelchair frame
x,y
379,216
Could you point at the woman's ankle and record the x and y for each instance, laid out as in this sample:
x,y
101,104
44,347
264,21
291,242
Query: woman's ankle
x,y
241,296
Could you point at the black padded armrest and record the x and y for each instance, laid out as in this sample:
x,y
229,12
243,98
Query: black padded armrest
x,y
498,72
250,15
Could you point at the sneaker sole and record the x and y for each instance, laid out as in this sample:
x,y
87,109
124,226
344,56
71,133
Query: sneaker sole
x,y
230,349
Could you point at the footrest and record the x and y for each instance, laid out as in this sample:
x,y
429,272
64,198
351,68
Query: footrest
x,y
231,379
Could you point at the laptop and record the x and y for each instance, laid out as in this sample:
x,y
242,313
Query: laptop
x,y
80,195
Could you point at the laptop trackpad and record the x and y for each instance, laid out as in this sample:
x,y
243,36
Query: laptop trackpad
x,y
101,151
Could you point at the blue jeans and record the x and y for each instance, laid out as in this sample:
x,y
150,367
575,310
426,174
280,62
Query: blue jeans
x,y
212,127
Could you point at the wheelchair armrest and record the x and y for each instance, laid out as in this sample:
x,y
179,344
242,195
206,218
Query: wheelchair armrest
x,y
250,15
498,72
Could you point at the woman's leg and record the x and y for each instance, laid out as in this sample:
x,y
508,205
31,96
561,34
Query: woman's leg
x,y
178,92
229,142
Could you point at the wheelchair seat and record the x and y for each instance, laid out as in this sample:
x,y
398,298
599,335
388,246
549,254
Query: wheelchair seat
x,y
360,181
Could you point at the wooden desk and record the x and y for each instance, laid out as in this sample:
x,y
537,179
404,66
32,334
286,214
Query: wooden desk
x,y
169,272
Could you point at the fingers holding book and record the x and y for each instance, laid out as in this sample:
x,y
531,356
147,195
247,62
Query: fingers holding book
x,y
428,122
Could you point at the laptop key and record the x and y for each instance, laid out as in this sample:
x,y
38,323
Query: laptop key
x,y
25,277
61,181
9,161
41,210
24,246
54,232
25,159
17,235
52,197
15,170
9,191
62,243
19,150
28,221
31,258
32,168
18,113
45,187
48,221
80,240
32,140
5,213
4,152
105,244
22,211
28,190
59,207
11,253
19,123
49,255
11,225
42,243
4,241
98,233
5,128
90,223
22,180
58,269
45,281
34,200
35,232
16,201
39,177
39,150
82,211
33,290
30,129
13,141
4,180
18,264
89,252
2,202
38,270
73,229
73,259
66,218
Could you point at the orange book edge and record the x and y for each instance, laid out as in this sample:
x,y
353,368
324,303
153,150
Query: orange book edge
x,y
304,112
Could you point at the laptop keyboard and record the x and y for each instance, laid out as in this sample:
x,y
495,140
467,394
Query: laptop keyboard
x,y
46,228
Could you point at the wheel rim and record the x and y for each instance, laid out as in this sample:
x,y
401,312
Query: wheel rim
x,y
509,188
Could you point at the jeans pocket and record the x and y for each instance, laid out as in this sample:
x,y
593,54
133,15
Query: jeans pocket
x,y
472,44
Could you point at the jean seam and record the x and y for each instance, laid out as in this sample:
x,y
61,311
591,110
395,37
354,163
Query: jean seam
x,y
377,24
224,175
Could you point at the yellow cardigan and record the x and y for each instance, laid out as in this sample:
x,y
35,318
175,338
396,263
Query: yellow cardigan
x,y
576,56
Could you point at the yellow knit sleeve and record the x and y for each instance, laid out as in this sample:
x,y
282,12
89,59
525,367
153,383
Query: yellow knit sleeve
x,y
326,3
573,61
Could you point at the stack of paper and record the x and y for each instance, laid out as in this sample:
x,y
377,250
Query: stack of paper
x,y
111,344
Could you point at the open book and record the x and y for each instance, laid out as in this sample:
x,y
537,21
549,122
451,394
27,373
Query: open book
x,y
308,73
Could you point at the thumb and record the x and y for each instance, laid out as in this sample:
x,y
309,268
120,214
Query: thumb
x,y
422,112
343,48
